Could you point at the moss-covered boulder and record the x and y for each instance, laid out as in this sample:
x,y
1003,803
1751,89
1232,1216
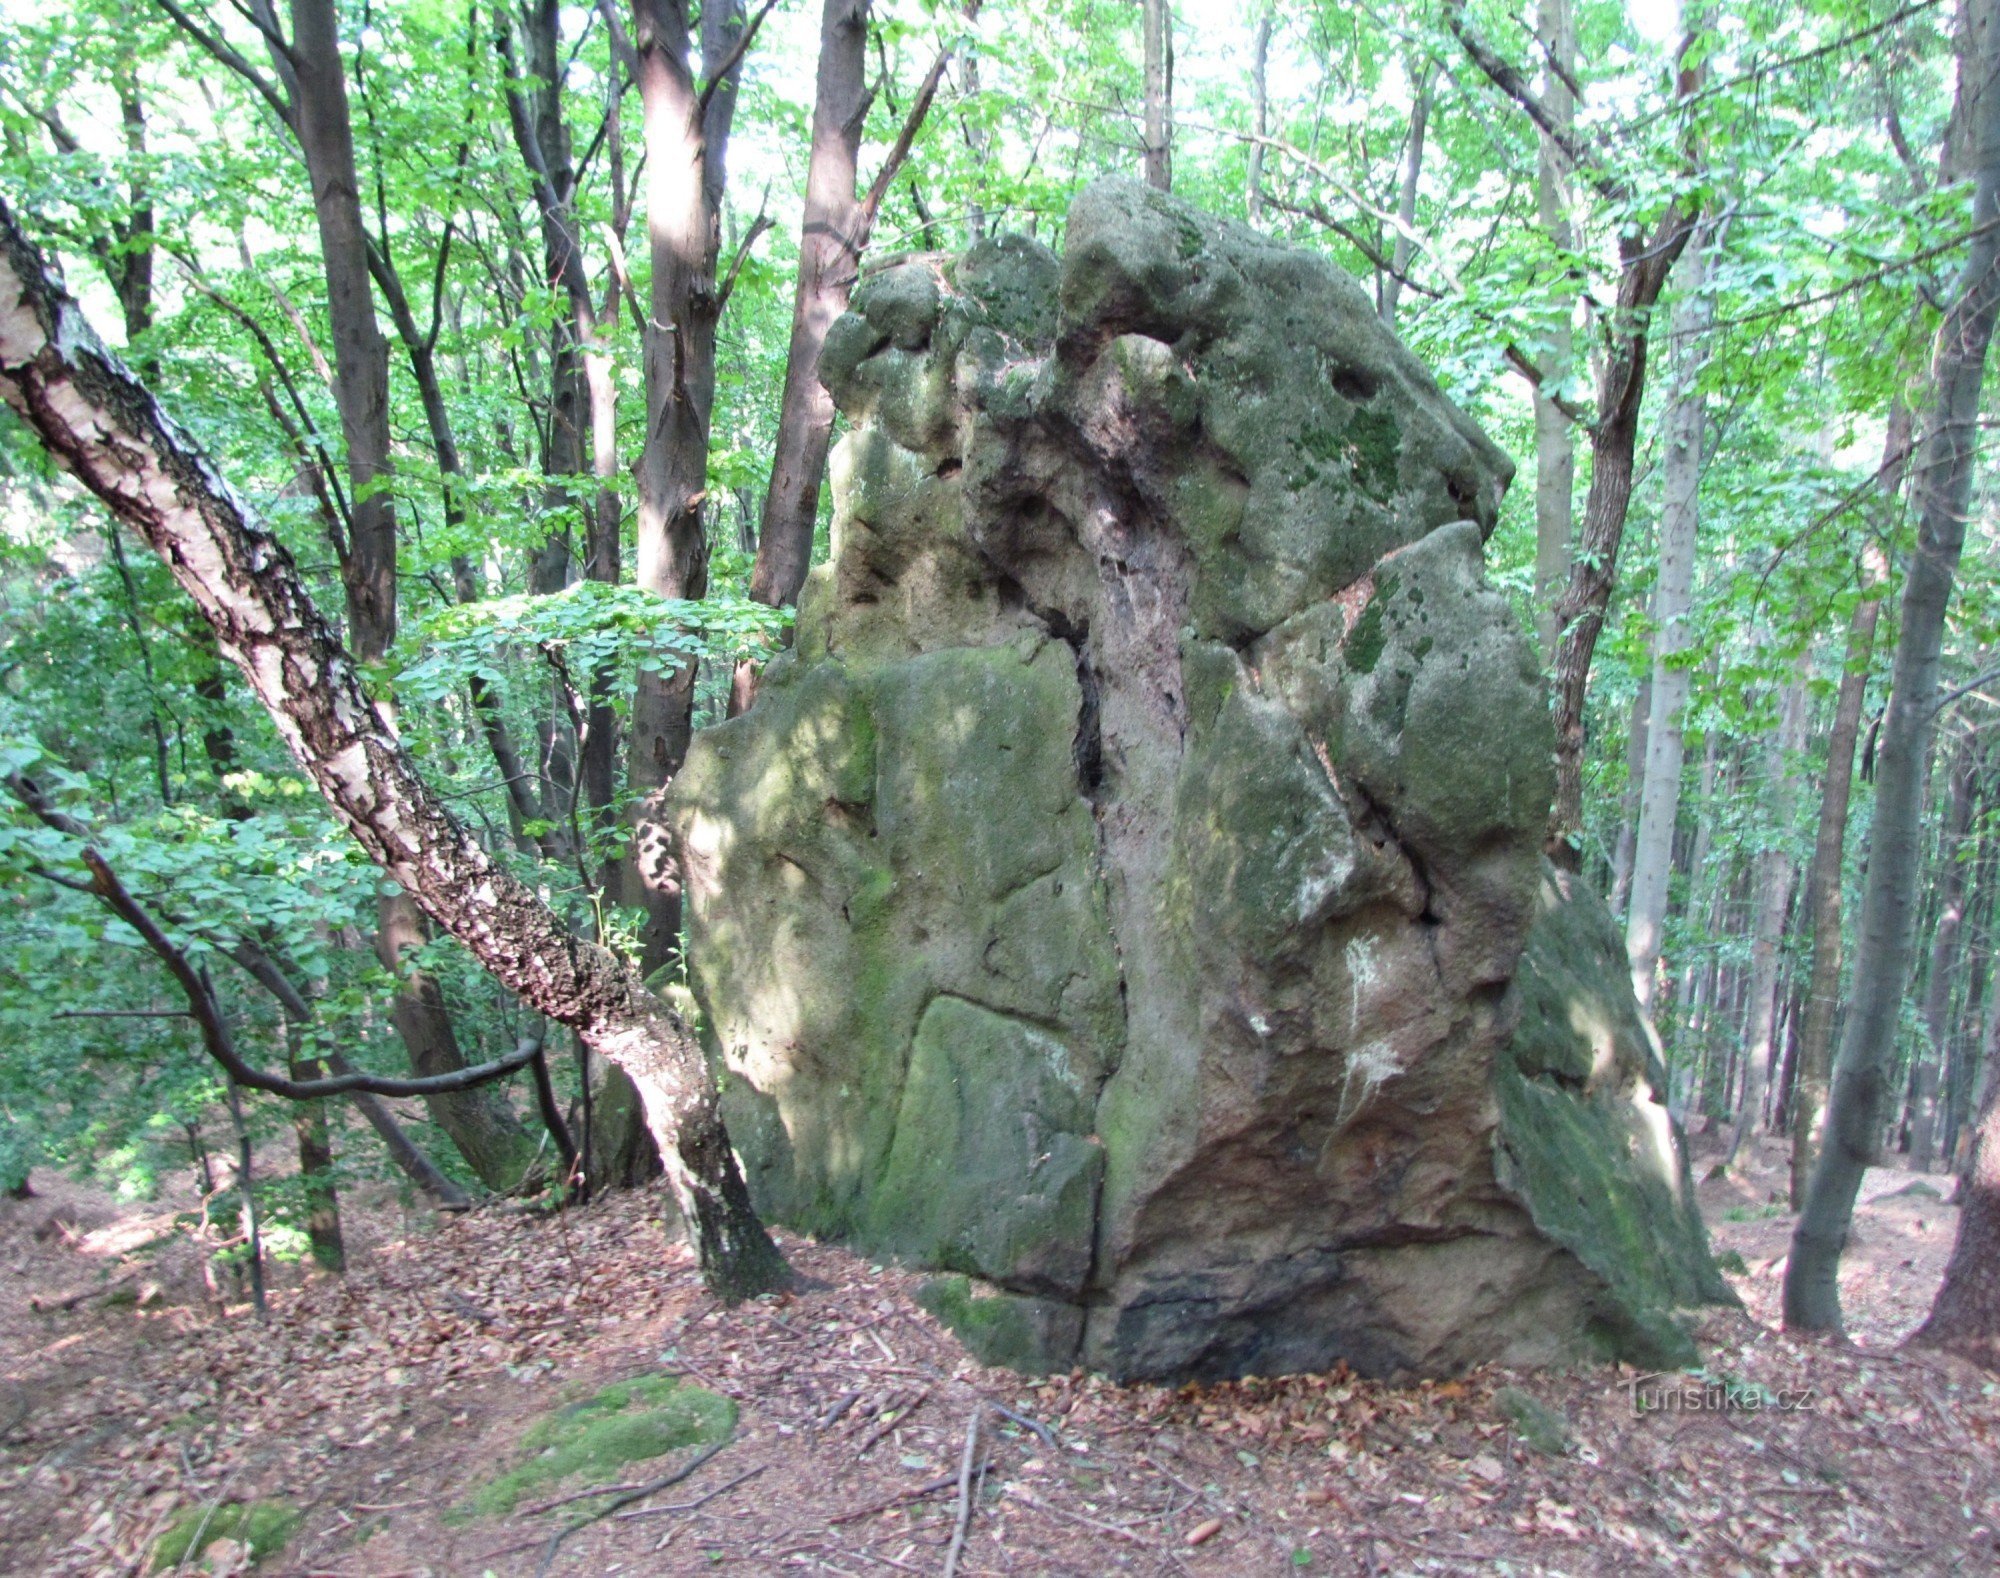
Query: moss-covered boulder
x,y
1111,901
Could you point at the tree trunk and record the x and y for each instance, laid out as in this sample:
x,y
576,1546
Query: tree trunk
x,y
1406,201
832,234
478,1121
1774,896
687,137
1823,883
1673,602
1260,114
1946,938
1941,485
1965,1318
1555,440
309,1127
101,424
1638,729
1159,111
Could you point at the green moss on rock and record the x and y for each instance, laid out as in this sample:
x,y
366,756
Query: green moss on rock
x,y
1034,1336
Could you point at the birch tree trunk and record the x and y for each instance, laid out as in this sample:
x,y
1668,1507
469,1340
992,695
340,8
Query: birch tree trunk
x,y
98,421
1673,602
1941,491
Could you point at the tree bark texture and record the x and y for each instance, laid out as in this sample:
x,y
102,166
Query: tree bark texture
x,y
100,423
1941,490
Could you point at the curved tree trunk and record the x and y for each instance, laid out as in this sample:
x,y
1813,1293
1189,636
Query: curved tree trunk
x,y
98,421
1941,487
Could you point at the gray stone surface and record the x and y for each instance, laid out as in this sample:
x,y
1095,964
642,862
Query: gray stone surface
x,y
1112,900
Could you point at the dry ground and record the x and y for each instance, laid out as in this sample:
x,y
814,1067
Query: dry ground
x,y
375,1403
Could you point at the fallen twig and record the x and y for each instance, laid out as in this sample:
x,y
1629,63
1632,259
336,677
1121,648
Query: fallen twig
x,y
896,1500
638,1494
963,1521
902,1411
700,1501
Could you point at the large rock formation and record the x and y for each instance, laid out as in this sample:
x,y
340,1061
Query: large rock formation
x,y
1113,898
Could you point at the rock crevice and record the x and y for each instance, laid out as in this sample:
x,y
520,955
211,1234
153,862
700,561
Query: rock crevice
x,y
1115,899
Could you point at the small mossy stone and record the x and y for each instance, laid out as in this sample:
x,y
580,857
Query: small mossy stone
x,y
262,1526
1034,1336
626,1422
1733,1263
1542,1427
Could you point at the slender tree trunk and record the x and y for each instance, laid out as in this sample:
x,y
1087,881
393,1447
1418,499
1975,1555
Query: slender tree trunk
x,y
1946,939
1555,439
1774,897
687,137
1159,115
101,424
1638,730
1260,114
1406,200
1673,603
832,235
1941,486
316,1177
1823,884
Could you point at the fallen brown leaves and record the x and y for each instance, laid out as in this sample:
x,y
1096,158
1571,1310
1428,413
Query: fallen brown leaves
x,y
376,1403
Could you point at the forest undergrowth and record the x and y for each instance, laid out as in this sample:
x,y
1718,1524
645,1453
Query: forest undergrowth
x,y
364,1420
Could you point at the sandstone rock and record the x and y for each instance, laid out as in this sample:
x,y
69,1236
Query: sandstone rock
x,y
1112,900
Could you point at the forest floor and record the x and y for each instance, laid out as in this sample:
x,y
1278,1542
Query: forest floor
x,y
375,1404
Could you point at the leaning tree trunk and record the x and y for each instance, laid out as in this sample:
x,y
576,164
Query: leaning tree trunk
x,y
98,421
1823,879
1673,602
1941,486
479,1122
